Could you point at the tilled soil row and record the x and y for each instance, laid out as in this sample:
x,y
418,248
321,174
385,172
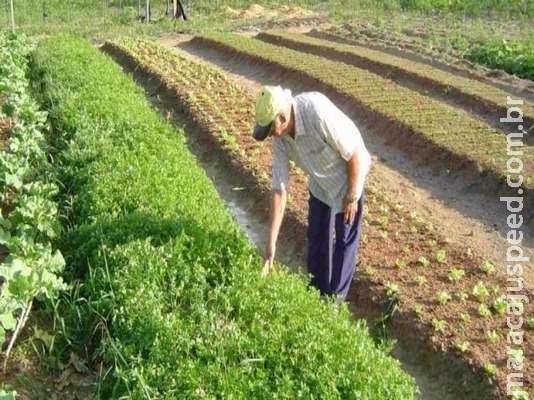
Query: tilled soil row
x,y
396,133
416,308
406,47
407,76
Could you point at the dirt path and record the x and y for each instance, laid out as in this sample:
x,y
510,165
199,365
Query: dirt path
x,y
461,214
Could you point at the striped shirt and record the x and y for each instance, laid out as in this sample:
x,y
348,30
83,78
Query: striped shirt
x,y
325,139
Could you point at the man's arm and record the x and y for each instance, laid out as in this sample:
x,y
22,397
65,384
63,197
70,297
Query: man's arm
x,y
350,208
277,209
277,202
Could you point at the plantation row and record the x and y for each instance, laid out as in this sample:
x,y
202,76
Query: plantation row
x,y
30,266
440,285
421,123
515,56
482,97
172,287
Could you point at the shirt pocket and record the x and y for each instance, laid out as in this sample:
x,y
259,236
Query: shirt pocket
x,y
323,159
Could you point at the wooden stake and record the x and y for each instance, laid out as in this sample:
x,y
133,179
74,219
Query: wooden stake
x,y
12,16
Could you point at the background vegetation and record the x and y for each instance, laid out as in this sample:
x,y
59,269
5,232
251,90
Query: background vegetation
x,y
494,33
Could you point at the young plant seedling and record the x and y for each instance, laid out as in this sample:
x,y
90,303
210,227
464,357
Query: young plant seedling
x,y
439,325
493,336
420,280
391,290
490,369
465,317
500,305
480,291
455,274
484,311
487,267
461,296
423,261
461,345
440,256
442,297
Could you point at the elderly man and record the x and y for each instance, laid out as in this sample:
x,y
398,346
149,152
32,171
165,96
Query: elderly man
x,y
311,131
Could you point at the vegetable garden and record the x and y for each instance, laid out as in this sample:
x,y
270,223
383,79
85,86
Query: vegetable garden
x,y
108,219
458,292
174,303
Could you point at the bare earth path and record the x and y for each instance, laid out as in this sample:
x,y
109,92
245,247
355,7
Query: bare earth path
x,y
461,214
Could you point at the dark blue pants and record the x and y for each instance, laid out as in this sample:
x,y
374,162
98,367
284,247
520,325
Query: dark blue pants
x,y
331,262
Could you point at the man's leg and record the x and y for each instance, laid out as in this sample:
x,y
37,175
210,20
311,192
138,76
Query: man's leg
x,y
319,244
345,250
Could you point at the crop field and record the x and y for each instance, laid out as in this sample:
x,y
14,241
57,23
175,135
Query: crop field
x,y
126,156
457,298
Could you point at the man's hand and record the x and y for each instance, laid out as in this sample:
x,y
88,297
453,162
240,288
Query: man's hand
x,y
268,258
278,204
350,209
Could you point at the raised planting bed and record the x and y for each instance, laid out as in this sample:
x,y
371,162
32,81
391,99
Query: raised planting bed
x,y
172,301
447,296
485,100
426,129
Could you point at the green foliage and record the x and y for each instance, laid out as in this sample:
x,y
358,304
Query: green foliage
x,y
173,296
7,395
510,7
455,274
515,57
30,267
491,369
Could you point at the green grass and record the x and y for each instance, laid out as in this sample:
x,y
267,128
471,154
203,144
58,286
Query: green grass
x,y
173,301
104,18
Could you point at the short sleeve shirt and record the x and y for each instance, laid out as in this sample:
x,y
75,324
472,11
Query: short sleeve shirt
x,y
325,139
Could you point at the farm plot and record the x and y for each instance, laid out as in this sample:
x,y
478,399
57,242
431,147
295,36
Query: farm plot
x,y
487,101
446,294
173,301
423,127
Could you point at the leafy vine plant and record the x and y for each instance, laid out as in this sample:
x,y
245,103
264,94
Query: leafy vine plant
x,y
30,268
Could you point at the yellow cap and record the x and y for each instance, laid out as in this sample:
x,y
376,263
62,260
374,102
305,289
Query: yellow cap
x,y
269,103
